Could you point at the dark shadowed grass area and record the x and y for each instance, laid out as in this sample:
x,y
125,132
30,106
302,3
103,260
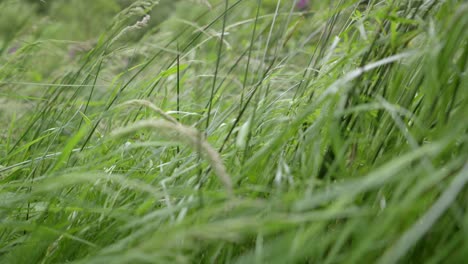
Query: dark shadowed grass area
x,y
234,131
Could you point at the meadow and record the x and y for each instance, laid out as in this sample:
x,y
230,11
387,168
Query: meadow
x,y
233,131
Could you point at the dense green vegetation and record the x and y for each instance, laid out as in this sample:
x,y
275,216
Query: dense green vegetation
x,y
242,131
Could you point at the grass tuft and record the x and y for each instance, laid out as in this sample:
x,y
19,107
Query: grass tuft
x,y
216,131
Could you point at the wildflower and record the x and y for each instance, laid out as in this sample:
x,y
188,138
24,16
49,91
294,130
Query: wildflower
x,y
302,5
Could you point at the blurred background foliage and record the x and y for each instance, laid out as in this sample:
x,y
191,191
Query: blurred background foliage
x,y
57,33
62,29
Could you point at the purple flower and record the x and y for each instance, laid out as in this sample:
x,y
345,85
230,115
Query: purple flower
x,y
302,4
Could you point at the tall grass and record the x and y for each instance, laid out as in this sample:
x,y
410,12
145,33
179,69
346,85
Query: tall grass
x,y
239,131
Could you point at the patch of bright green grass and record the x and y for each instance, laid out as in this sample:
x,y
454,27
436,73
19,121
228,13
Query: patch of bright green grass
x,y
234,131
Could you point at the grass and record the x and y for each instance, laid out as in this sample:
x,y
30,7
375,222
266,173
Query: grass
x,y
234,132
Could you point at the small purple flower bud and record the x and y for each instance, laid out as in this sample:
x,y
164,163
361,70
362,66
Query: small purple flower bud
x,y
302,4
